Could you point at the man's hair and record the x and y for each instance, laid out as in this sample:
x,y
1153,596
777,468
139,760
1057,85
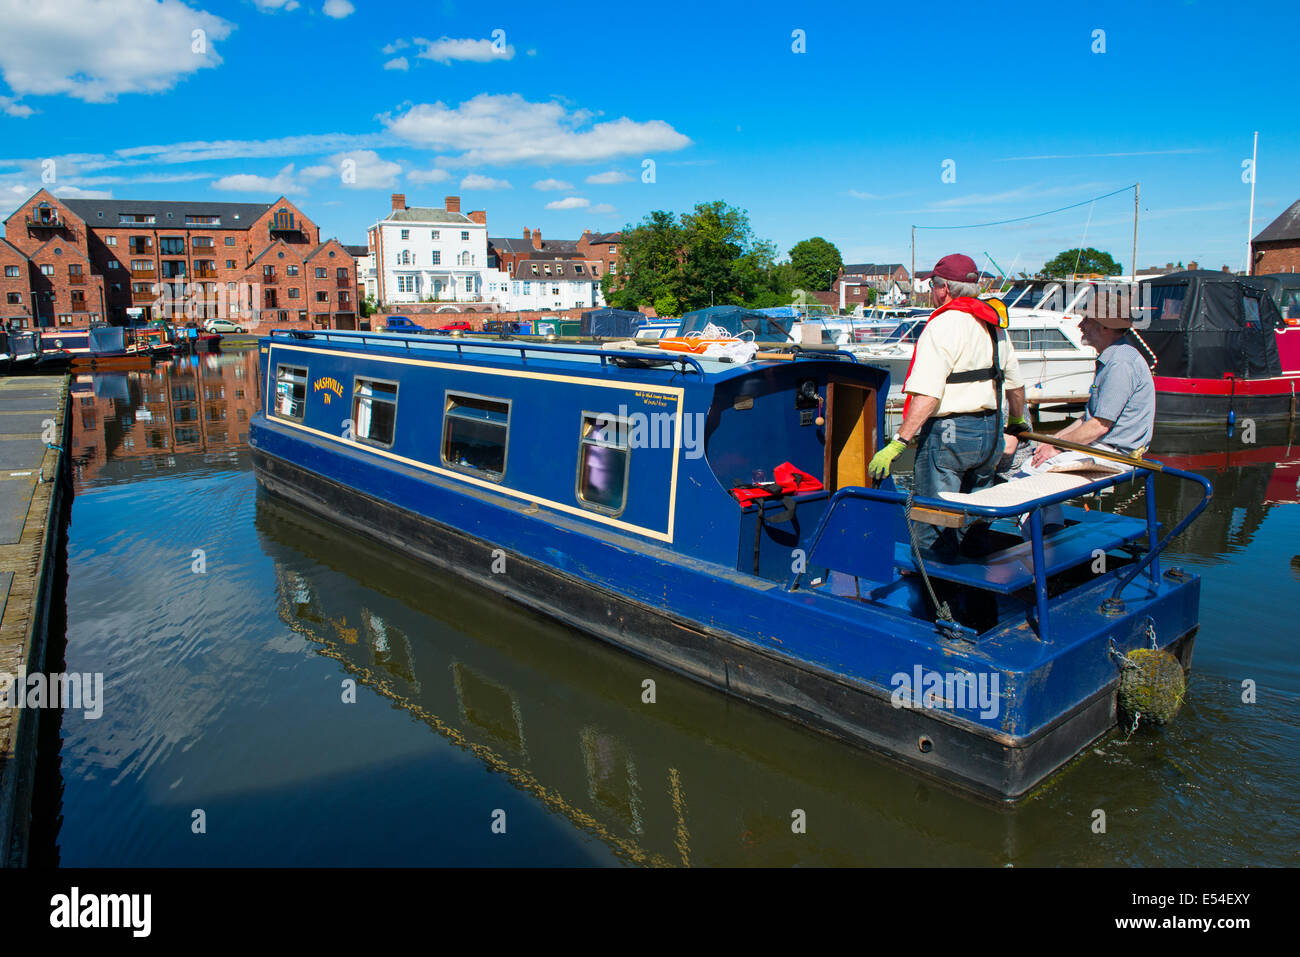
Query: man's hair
x,y
958,289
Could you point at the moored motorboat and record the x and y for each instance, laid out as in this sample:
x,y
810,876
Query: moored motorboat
x,y
630,494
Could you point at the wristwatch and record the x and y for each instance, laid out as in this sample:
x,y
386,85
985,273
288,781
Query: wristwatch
x,y
898,437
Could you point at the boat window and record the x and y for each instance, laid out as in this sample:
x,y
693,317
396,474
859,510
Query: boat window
x,y
374,411
1019,338
290,392
1042,339
1290,304
475,431
603,463
1166,302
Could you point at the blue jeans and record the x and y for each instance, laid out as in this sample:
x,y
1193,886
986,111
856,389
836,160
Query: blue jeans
x,y
957,453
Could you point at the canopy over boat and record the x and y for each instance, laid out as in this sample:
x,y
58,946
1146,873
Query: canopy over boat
x,y
737,319
1205,325
612,323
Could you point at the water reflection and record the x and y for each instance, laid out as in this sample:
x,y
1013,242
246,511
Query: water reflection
x,y
141,421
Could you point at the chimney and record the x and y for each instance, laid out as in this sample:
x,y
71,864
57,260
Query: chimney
x,y
1192,265
528,235
478,216
399,201
537,238
1169,267
452,204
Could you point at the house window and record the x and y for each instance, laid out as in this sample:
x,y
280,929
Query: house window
x,y
342,274
464,235
555,290
11,272
320,272
406,284
578,269
435,234
406,234
603,463
475,434
469,283
172,245
293,293
291,270
230,264
230,240
110,240
202,220
528,289
47,270
613,249
374,411
128,219
113,264
322,296
290,392
15,298
437,257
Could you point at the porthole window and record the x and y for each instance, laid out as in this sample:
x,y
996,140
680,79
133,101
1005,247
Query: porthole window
x,y
475,434
603,463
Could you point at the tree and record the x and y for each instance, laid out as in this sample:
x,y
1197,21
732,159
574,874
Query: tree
x,y
708,256
816,263
1081,261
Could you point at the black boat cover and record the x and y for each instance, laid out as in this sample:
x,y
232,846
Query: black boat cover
x,y
611,323
1205,325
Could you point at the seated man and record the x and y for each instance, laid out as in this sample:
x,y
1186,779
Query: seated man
x,y
1121,411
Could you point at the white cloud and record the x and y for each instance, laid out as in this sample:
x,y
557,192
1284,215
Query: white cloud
x,y
603,208
608,178
475,181
545,184
79,48
75,192
270,6
448,49
357,169
495,129
202,151
428,175
393,47
858,194
569,202
398,63
13,108
281,182
338,9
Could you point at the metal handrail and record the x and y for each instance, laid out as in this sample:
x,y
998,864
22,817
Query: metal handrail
x,y
1034,511
523,348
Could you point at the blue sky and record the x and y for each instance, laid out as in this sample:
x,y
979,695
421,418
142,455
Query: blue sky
x,y
339,103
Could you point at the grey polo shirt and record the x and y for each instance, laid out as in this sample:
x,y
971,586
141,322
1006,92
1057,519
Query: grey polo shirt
x,y
1123,393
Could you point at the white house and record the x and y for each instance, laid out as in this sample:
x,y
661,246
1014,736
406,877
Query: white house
x,y
426,254
553,284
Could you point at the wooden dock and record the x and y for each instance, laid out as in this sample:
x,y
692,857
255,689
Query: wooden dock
x,y
35,492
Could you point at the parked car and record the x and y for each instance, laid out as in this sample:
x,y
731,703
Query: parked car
x,y
222,326
456,326
402,324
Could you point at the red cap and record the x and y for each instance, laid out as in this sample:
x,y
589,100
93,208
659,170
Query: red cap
x,y
957,267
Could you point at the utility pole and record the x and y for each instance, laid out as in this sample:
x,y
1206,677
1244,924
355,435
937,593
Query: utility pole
x,y
1137,191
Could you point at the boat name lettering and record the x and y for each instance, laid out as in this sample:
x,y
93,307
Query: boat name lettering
x,y
328,383
949,691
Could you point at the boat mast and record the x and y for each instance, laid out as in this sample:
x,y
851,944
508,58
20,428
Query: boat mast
x,y
1250,226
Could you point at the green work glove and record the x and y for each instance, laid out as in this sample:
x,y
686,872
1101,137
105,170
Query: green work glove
x,y
1017,424
879,467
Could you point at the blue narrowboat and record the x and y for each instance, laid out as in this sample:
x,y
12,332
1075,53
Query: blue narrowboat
x,y
717,519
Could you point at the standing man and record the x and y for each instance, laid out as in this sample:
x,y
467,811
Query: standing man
x,y
953,397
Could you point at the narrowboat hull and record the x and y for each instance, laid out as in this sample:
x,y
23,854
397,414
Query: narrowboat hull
x,y
1193,402
975,759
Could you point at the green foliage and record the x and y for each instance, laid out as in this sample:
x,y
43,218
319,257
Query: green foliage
x,y
708,256
1081,261
816,263
368,306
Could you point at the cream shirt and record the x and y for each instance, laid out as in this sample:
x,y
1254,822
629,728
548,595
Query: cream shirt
x,y
956,341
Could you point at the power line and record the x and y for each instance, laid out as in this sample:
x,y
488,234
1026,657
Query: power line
x,y
1021,219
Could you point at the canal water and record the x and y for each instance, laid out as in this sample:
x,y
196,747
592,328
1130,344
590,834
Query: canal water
x,y
282,693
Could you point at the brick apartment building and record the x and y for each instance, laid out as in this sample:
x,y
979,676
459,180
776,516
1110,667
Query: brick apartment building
x,y
1277,247
71,262
853,282
599,251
